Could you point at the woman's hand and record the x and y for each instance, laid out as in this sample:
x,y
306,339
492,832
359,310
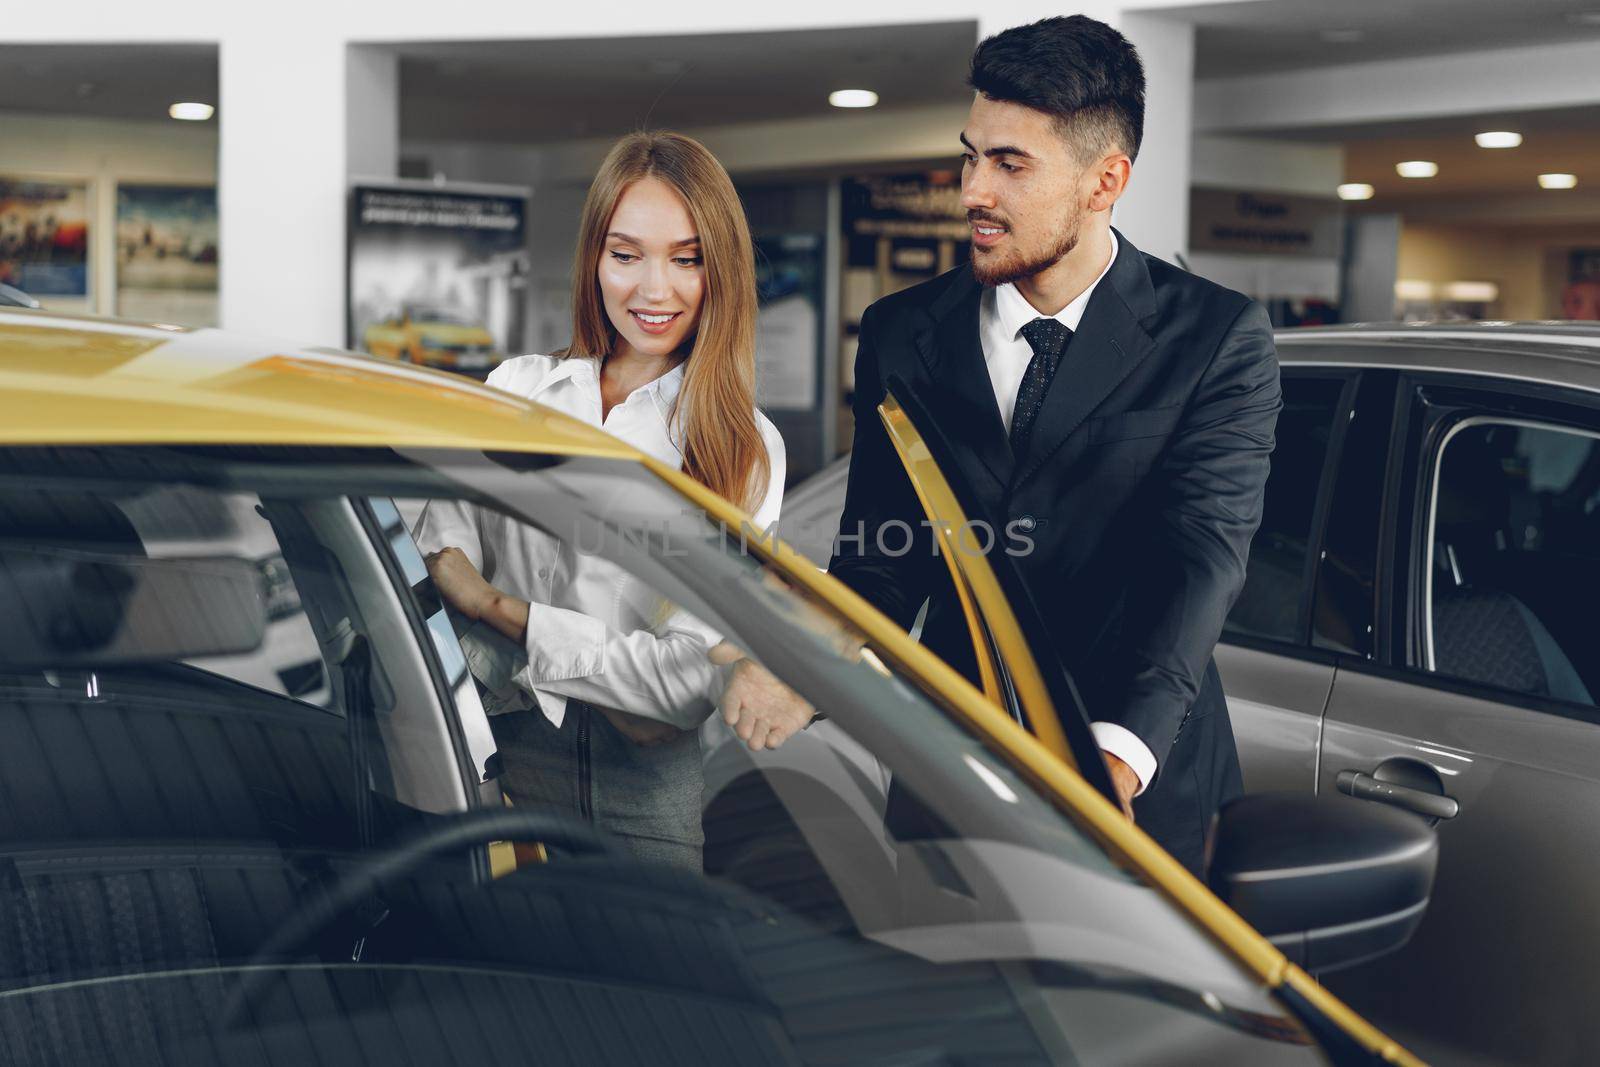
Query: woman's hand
x,y
638,729
762,711
459,584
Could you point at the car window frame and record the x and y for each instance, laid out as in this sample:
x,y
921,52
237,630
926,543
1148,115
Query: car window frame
x,y
1007,617
1302,646
479,784
1436,404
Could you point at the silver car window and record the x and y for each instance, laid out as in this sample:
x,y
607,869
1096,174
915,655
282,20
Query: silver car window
x,y
1513,562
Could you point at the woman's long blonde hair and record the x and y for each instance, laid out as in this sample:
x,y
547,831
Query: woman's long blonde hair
x,y
723,449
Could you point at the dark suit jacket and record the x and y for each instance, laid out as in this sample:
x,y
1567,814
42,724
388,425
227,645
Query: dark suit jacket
x,y
1140,491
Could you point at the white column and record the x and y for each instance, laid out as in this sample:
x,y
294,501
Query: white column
x,y
281,183
1154,212
298,115
372,111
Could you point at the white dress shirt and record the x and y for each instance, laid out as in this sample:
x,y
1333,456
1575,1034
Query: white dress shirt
x,y
594,631
1002,313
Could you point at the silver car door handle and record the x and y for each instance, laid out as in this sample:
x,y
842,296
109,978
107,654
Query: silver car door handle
x,y
1366,787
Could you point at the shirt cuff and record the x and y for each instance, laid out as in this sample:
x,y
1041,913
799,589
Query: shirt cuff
x,y
1124,744
563,644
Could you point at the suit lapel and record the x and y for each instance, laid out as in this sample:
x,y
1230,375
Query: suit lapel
x,y
962,397
1109,343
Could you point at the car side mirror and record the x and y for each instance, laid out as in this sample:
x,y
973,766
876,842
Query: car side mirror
x,y
1330,881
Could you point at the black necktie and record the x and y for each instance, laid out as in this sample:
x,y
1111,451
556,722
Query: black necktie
x,y
1048,338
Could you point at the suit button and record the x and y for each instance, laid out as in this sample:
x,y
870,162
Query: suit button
x,y
1027,522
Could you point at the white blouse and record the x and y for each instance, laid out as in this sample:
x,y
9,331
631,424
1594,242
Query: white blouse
x,y
593,632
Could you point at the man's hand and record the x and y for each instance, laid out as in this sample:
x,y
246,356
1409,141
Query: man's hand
x,y
1124,781
763,712
640,730
460,585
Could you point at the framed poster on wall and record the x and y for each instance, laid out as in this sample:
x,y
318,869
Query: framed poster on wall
x,y
438,273
167,253
44,237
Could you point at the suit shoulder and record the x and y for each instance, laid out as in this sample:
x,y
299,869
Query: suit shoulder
x,y
896,306
1176,286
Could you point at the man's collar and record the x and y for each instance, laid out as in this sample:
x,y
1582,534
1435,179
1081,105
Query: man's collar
x,y
1015,312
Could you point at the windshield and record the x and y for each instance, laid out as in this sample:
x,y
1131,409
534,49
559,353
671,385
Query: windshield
x,y
295,822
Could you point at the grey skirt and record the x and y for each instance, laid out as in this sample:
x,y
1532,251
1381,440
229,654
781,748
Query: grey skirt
x,y
647,796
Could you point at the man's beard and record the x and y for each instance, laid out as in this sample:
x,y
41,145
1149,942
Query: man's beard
x,y
992,271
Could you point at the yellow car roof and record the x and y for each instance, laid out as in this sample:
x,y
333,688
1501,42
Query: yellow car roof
x,y
78,380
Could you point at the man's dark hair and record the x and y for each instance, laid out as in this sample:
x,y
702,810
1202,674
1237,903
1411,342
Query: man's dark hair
x,y
1082,73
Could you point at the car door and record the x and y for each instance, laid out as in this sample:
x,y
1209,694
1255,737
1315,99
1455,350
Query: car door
x,y
1007,629
1276,681
1480,711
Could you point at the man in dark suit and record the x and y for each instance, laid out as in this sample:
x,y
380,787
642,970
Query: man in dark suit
x,y
1113,414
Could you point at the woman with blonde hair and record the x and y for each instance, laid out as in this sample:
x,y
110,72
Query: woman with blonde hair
x,y
595,705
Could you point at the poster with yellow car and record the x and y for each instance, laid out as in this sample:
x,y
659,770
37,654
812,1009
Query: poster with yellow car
x,y
438,274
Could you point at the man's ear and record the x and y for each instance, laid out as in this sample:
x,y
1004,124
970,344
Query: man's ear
x,y
1109,179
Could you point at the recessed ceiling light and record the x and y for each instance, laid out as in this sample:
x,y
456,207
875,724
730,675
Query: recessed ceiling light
x,y
853,98
1472,292
1557,181
1342,36
1498,139
1355,191
191,112
1416,168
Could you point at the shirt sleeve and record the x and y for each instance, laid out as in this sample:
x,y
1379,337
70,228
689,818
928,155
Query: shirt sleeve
x,y
448,523
1124,744
664,674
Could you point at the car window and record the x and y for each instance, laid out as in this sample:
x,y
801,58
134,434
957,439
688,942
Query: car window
x,y
883,887
883,836
138,708
1274,602
1514,559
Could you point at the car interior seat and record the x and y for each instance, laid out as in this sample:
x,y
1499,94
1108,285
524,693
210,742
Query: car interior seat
x,y
1482,631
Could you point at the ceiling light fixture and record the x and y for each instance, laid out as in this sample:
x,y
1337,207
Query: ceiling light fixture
x,y
1498,139
1557,181
191,112
853,98
1416,168
1355,191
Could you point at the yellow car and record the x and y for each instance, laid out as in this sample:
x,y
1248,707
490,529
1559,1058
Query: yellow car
x,y
434,337
208,858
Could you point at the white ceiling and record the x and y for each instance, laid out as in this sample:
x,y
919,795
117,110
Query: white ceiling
x,y
1269,36
528,92
106,81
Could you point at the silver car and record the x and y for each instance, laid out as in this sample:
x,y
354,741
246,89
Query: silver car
x,y
1416,631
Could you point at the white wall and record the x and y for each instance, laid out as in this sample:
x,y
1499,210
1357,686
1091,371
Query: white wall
x,y
1261,165
104,152
1154,213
